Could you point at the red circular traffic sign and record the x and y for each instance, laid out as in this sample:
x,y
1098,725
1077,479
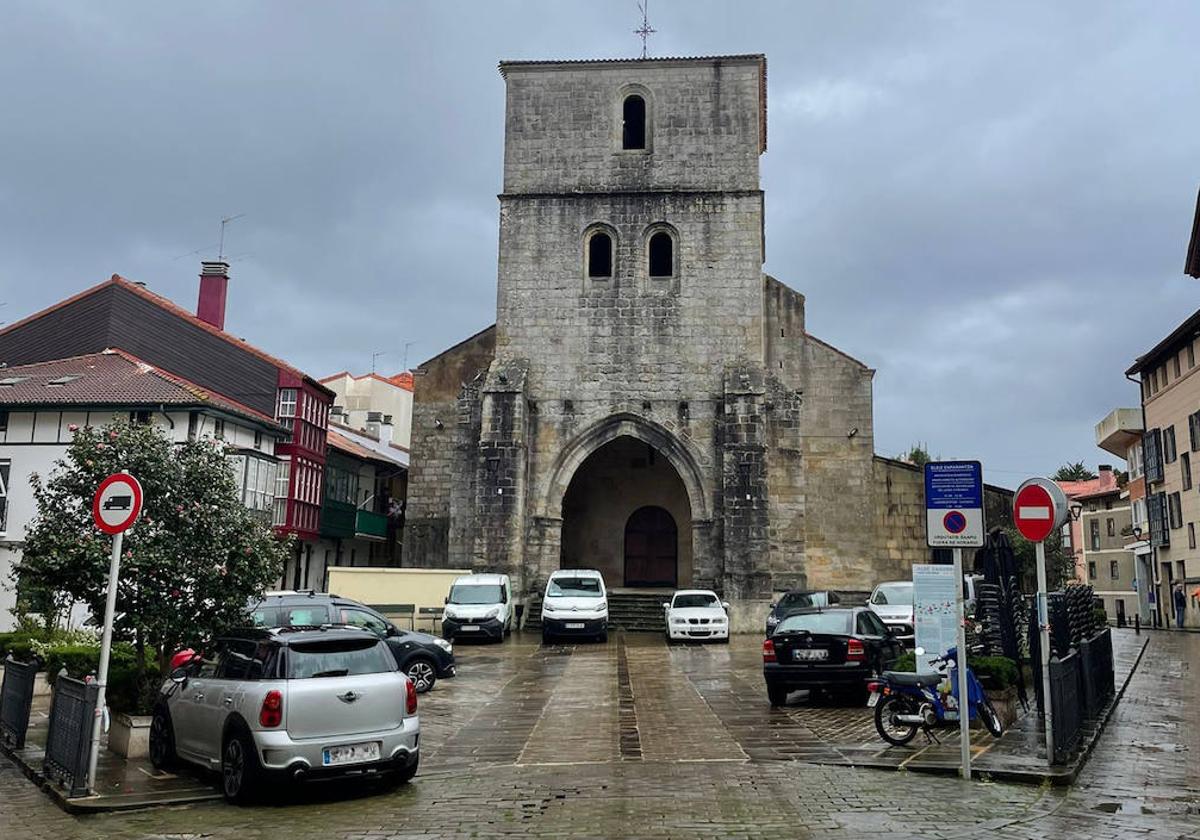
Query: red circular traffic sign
x,y
955,522
1039,507
117,503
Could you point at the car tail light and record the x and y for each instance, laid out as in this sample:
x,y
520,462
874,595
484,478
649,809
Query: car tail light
x,y
855,652
410,698
271,713
768,651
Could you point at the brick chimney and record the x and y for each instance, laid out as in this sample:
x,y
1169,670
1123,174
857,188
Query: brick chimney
x,y
214,283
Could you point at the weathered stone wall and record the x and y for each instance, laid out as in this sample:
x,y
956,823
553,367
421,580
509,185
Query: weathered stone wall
x,y
562,131
440,431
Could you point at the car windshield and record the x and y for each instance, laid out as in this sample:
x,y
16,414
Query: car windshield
x,y
893,594
797,600
338,658
826,622
574,587
475,593
695,599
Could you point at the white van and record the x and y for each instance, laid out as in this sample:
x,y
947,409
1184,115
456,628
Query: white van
x,y
575,604
478,606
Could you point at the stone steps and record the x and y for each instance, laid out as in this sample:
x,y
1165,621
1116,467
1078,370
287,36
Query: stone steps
x,y
638,612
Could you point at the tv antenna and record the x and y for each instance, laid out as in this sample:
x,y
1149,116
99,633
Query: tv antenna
x,y
221,244
375,356
407,344
645,32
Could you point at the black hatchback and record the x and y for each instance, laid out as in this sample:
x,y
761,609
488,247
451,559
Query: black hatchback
x,y
835,650
799,600
423,657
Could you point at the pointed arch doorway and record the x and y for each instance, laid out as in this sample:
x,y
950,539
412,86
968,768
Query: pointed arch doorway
x,y
626,512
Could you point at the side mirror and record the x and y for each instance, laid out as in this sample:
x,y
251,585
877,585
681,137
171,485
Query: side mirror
x,y
446,600
725,605
391,631
774,605
179,676
666,606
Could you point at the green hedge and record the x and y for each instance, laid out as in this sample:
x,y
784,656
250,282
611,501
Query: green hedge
x,y
122,692
19,643
998,672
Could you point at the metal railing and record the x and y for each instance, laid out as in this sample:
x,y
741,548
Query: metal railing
x,y
69,737
16,699
1096,673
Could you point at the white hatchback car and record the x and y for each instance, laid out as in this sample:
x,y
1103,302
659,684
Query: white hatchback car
x,y
696,614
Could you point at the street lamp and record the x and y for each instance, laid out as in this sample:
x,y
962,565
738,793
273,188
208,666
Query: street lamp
x,y
1137,533
1076,510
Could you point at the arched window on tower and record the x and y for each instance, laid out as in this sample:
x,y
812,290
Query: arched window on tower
x,y
600,255
633,122
662,255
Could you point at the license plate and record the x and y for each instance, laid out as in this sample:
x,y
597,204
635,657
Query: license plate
x,y
469,628
873,700
810,655
351,753
574,625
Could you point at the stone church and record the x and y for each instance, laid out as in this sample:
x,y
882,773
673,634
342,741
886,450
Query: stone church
x,y
649,402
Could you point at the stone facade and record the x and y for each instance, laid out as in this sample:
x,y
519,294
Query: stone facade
x,y
756,437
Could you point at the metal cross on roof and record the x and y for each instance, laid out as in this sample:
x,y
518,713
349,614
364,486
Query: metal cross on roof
x,y
645,32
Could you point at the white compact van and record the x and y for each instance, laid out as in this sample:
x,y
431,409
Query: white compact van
x,y
478,606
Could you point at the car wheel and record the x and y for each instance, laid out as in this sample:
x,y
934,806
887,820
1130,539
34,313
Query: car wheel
x,y
240,771
603,638
777,694
990,719
547,638
162,740
890,730
422,672
405,774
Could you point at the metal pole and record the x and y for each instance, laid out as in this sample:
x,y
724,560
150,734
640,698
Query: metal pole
x,y
110,608
964,704
1044,627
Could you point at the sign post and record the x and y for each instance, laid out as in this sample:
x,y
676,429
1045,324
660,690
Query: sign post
x,y
954,519
115,507
1039,507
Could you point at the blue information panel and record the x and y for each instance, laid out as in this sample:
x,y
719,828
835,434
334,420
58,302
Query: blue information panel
x,y
954,504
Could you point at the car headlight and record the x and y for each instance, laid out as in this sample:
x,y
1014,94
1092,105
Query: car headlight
x,y
444,645
720,620
492,613
679,621
449,613
772,620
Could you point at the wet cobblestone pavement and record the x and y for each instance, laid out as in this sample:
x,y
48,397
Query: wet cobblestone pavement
x,y
634,739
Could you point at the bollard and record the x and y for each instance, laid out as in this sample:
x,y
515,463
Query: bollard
x,y
1137,623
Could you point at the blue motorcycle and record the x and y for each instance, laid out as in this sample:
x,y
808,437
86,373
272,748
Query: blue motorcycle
x,y
905,703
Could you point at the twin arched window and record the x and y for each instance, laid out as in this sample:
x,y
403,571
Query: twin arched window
x,y
599,247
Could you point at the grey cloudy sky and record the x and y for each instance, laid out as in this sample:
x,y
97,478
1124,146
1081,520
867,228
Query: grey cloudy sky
x,y
988,202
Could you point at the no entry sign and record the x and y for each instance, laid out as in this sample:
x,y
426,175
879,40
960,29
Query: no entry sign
x,y
954,504
117,503
1039,507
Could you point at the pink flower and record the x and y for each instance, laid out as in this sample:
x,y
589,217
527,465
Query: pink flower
x,y
175,593
112,435
247,551
179,508
73,427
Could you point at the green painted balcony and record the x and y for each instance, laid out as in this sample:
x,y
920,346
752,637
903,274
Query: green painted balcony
x,y
337,519
371,526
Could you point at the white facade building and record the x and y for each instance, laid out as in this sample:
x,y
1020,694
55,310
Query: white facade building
x,y
43,404
380,406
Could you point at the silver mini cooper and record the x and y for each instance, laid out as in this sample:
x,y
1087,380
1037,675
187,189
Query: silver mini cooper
x,y
294,703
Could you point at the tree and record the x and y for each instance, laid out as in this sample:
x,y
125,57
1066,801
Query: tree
x,y
1060,563
917,454
1074,472
191,564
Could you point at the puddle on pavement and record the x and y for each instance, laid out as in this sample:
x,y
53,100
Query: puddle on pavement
x,y
1159,747
1129,807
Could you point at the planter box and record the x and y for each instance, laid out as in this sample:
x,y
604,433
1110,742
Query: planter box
x,y
129,735
1004,701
